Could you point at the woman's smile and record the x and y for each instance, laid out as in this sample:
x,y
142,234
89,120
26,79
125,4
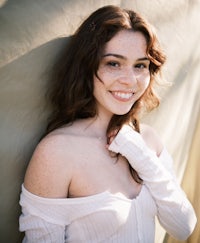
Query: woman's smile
x,y
123,73
122,95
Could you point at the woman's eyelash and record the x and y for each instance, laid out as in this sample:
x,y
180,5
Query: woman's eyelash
x,y
141,65
117,64
113,64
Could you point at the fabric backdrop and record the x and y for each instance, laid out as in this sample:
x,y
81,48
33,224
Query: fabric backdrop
x,y
32,34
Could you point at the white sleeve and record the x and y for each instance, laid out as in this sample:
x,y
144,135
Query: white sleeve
x,y
38,230
42,219
175,212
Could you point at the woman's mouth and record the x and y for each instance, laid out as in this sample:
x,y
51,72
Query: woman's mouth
x,y
122,96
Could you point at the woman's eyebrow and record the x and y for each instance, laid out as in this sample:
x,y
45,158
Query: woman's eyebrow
x,y
143,59
123,57
114,55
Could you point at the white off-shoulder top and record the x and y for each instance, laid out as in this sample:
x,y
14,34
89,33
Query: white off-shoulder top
x,y
104,217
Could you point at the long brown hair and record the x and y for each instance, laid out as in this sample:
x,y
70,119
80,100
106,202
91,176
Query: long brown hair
x,y
71,93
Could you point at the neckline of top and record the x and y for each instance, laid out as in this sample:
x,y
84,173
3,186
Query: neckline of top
x,y
102,195
79,200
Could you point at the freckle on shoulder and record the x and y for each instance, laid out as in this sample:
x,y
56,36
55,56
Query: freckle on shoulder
x,y
50,168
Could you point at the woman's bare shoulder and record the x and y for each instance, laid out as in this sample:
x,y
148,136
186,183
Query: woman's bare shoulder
x,y
50,169
151,138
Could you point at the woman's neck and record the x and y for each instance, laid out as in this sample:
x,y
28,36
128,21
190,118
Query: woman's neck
x,y
97,126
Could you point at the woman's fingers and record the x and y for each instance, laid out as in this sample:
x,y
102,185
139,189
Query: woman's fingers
x,y
112,135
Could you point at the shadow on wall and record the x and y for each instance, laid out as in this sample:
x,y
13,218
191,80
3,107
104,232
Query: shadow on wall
x,y
23,119
26,58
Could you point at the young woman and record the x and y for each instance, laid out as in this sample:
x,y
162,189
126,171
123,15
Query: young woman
x,y
99,175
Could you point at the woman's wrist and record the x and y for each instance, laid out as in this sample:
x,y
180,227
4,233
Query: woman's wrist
x,y
125,136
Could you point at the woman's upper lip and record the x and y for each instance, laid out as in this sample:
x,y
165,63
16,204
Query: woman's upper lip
x,y
123,91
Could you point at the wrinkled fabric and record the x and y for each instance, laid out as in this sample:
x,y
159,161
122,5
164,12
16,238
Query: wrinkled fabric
x,y
111,218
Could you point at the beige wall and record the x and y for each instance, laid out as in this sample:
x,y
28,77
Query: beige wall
x,y
32,34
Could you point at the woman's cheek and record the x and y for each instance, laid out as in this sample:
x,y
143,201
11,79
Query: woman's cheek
x,y
147,82
144,81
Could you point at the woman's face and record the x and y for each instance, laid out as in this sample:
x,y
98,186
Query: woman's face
x,y
123,72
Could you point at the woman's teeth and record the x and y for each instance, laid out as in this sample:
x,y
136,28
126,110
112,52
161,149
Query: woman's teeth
x,y
123,95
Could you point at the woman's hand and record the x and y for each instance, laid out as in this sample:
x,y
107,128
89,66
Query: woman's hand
x,y
111,136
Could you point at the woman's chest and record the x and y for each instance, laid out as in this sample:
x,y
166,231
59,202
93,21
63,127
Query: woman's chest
x,y
97,170
114,218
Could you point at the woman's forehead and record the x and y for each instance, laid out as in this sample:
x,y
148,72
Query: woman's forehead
x,y
126,42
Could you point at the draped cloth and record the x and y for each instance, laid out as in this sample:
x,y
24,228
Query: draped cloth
x,y
32,35
190,184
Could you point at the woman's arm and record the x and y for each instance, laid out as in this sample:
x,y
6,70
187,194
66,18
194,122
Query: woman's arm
x,y
175,212
47,177
39,230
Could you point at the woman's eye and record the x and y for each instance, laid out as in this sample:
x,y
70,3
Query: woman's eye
x,y
113,64
140,66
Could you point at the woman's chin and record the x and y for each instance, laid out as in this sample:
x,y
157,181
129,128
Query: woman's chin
x,y
122,112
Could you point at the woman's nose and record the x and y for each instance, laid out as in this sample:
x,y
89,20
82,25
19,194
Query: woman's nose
x,y
128,77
